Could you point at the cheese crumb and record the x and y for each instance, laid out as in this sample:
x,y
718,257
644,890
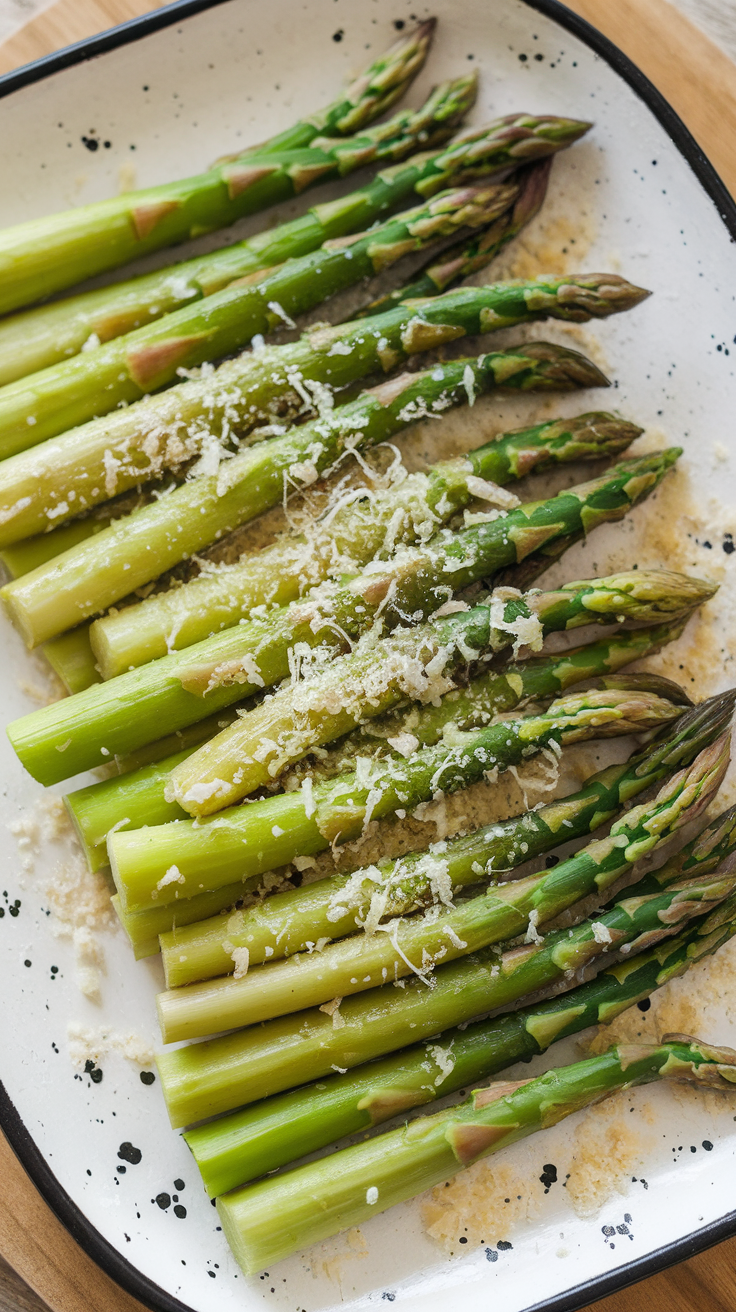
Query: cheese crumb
x,y
601,933
92,1042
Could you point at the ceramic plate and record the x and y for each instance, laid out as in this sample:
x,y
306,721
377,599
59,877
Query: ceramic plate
x,y
159,99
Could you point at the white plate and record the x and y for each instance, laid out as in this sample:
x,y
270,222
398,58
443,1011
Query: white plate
x,y
170,93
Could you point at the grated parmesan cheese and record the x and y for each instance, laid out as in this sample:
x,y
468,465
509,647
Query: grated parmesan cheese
x,y
91,1043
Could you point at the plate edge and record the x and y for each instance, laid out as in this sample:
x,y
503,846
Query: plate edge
x,y
89,1238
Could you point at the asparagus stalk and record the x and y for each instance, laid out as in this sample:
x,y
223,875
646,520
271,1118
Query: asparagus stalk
x,y
267,1221
70,655
472,254
539,830
365,99
60,740
38,550
184,615
211,856
356,532
96,573
338,906
127,368
290,921
243,1145
417,945
217,1075
108,455
72,659
137,796
46,255
415,663
43,336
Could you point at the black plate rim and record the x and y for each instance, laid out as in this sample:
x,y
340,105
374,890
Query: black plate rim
x,y
72,1217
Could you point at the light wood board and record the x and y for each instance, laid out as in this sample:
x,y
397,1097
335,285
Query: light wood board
x,y
700,83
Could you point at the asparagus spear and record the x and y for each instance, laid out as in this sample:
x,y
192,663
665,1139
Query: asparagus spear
x,y
417,945
267,1221
340,905
96,573
290,921
242,843
356,532
366,98
72,660
415,663
539,830
70,655
49,254
45,335
108,455
40,337
472,254
243,1145
137,795
219,1074
145,360
175,619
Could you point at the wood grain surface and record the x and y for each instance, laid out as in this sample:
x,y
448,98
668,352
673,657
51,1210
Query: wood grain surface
x,y
700,83
65,22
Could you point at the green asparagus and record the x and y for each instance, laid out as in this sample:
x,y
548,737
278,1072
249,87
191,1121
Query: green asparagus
x,y
129,367
338,906
137,796
327,698
46,255
539,829
358,531
208,856
469,256
273,1218
104,457
239,1147
36,338
90,728
418,944
219,1074
133,551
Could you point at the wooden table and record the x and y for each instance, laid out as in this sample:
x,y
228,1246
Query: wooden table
x,y
700,83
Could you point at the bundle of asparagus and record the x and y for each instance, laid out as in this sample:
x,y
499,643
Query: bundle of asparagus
x,y
47,255
45,335
137,797
243,1145
164,431
269,1220
360,529
385,411
327,701
38,338
214,853
121,371
36,488
220,1074
445,932
187,686
249,840
280,574
377,621
338,906
131,552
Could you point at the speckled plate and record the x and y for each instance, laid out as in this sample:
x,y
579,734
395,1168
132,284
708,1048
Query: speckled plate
x,y
158,99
